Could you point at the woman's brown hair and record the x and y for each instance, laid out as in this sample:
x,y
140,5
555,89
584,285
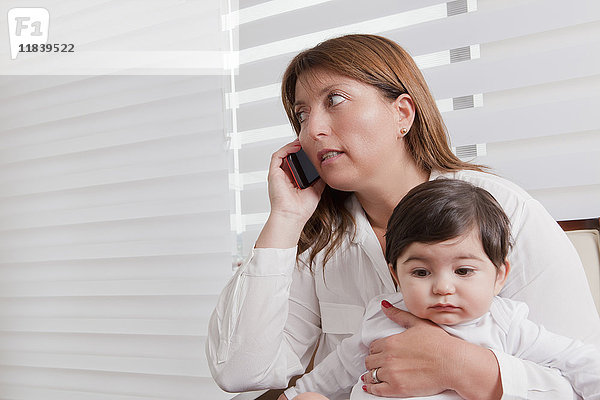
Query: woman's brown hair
x,y
382,63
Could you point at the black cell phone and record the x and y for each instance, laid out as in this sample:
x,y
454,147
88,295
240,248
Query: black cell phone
x,y
303,171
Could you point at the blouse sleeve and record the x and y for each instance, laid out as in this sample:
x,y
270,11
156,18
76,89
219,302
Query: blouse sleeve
x,y
547,275
337,373
265,325
525,340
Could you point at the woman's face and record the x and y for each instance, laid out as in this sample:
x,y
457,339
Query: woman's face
x,y
351,133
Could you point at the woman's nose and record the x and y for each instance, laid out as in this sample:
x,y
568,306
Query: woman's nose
x,y
443,287
317,126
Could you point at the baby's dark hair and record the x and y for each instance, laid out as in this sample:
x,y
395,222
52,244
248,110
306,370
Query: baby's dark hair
x,y
442,209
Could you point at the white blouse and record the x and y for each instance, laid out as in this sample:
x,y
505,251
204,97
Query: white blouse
x,y
503,329
272,313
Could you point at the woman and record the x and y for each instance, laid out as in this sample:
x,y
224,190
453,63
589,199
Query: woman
x,y
366,119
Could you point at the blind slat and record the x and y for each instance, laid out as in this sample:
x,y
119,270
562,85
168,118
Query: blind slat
x,y
135,346
346,13
109,307
169,188
28,392
570,202
142,385
145,267
123,212
152,131
196,148
140,365
101,92
378,25
542,68
114,175
163,287
580,168
140,111
492,124
105,326
489,24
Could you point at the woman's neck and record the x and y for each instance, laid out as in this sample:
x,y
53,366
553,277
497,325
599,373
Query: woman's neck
x,y
379,202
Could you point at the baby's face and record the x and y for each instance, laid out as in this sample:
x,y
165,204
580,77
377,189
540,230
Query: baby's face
x,y
449,282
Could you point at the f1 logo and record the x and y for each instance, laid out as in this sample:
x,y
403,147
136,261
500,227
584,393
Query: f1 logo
x,y
27,26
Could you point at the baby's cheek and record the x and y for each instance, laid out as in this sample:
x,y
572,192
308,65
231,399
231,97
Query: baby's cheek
x,y
414,307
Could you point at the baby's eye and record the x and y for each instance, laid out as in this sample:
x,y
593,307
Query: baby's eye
x,y
335,99
463,271
421,273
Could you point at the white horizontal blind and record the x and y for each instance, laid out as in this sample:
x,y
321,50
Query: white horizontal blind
x,y
114,221
517,80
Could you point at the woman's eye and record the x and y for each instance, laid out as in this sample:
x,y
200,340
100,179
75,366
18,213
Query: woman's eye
x,y
335,99
463,271
420,273
301,116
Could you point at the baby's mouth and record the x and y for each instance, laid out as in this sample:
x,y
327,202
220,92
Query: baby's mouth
x,y
444,307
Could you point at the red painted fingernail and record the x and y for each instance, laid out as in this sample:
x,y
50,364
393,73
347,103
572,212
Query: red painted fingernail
x,y
362,378
386,304
365,388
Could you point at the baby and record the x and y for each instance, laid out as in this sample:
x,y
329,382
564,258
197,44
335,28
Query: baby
x,y
446,246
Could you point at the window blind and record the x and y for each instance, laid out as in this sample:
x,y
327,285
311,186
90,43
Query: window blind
x,y
114,203
115,237
517,82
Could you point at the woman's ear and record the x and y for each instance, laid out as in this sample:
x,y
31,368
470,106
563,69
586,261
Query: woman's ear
x,y
394,276
404,107
501,275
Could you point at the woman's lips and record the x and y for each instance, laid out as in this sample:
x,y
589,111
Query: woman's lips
x,y
328,155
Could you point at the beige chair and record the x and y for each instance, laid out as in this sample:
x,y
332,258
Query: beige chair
x,y
585,236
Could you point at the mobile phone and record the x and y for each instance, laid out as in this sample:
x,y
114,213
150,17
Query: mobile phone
x,y
303,172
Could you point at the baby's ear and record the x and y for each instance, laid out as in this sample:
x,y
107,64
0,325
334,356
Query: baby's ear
x,y
393,273
501,275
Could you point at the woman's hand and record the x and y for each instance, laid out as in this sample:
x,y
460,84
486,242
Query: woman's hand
x,y
284,196
290,207
425,360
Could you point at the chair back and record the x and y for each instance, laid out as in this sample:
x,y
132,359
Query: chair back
x,y
585,236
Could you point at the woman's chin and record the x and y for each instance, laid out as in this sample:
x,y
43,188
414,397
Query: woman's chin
x,y
341,183
342,187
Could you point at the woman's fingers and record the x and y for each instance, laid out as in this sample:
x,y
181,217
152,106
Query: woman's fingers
x,y
279,155
279,173
318,187
376,359
401,317
378,389
367,377
413,362
287,200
